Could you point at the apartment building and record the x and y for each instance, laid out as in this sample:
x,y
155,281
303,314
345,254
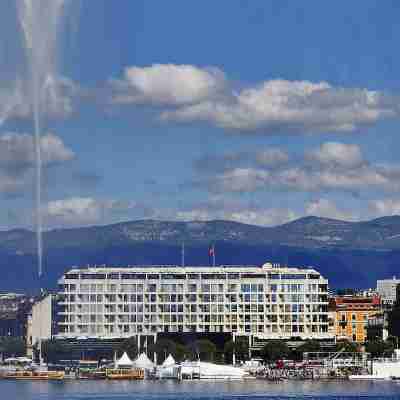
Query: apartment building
x,y
387,289
351,314
264,302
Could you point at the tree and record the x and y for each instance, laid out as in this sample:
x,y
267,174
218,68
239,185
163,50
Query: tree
x,y
129,346
346,346
379,348
203,349
240,347
394,321
12,347
52,351
275,350
181,352
309,346
163,347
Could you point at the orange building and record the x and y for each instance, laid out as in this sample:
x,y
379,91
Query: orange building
x,y
349,316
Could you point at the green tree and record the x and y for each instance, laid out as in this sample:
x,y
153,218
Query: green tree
x,y
130,347
164,347
240,347
309,346
379,348
275,350
203,349
181,352
12,347
348,347
52,351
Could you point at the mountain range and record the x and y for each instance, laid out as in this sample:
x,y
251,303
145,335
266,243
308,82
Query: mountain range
x,y
349,254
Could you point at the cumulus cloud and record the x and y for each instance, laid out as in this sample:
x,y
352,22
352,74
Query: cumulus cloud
x,y
191,93
337,154
383,207
303,179
17,151
167,84
17,158
333,166
223,209
56,100
277,105
79,211
272,157
328,209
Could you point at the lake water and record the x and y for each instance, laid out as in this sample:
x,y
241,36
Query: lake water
x,y
168,390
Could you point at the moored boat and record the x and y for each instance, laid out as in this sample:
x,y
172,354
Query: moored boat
x,y
34,375
125,374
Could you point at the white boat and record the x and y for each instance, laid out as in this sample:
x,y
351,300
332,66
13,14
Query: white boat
x,y
383,369
210,371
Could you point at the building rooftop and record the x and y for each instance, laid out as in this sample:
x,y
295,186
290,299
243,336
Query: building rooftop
x,y
267,267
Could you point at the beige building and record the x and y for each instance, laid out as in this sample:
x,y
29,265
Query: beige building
x,y
267,302
40,322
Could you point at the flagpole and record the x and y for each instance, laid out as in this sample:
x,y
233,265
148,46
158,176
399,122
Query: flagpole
x,y
213,255
183,254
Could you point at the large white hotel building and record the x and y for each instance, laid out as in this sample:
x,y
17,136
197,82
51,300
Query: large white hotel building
x,y
267,302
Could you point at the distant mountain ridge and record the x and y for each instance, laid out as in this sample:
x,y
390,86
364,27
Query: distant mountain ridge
x,y
348,253
308,232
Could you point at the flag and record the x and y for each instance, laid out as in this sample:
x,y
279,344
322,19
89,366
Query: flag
x,y
211,251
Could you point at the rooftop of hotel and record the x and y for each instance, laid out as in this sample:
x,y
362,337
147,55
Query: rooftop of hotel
x,y
267,267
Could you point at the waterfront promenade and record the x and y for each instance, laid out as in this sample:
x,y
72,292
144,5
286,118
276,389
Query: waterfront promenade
x,y
195,390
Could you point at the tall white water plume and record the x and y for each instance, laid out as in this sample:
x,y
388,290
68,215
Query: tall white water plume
x,y
41,23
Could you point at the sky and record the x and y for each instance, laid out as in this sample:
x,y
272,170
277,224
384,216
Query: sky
x,y
259,112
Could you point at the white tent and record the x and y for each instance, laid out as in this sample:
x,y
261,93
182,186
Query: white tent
x,y
169,361
124,361
143,362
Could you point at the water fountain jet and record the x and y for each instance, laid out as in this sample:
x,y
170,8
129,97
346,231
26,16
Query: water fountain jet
x,y
41,23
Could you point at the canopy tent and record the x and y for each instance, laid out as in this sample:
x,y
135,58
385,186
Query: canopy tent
x,y
169,361
124,361
143,362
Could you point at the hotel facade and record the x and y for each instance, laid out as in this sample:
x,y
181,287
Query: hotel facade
x,y
267,302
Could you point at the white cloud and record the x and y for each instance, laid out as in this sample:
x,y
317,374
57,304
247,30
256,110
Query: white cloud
x,y
17,159
240,180
56,100
333,166
304,179
272,157
277,105
328,209
337,154
17,150
167,84
383,207
222,209
78,211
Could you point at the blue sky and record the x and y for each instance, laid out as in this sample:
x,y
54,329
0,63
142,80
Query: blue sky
x,y
260,112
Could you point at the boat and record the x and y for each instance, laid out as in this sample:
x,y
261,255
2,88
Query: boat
x,y
209,371
168,369
34,375
125,374
382,369
92,374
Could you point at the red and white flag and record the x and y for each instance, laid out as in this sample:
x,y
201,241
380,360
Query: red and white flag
x,y
211,251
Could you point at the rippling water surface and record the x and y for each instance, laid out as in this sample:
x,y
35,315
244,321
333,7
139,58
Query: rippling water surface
x,y
168,390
